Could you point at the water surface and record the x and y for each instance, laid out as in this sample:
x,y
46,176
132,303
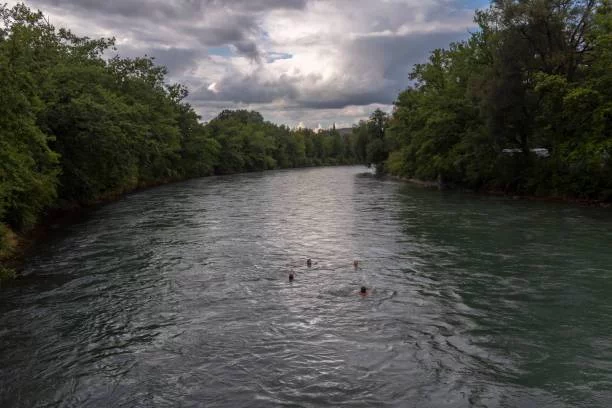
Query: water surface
x,y
178,296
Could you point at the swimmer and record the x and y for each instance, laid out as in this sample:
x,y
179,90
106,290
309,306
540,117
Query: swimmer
x,y
309,262
364,291
356,264
291,276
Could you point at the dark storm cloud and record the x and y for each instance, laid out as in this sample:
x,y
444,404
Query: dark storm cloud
x,y
236,30
176,60
164,9
249,89
248,49
233,22
258,5
366,47
157,9
377,68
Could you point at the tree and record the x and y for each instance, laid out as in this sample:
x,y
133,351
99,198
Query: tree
x,y
535,75
370,142
28,168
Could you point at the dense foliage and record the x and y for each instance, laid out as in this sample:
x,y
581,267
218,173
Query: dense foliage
x,y
77,127
535,75
248,143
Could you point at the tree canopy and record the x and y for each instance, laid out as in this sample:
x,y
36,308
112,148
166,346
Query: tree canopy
x,y
535,77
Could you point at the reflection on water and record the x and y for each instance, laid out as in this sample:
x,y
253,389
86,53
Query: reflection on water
x,y
179,296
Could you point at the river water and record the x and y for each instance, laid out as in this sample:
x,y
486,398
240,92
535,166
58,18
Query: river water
x,y
178,296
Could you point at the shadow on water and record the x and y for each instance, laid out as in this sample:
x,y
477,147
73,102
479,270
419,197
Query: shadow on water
x,y
179,296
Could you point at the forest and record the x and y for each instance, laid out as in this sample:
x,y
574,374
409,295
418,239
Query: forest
x,y
523,106
78,127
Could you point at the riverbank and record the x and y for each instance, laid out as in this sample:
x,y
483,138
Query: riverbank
x,y
513,195
15,247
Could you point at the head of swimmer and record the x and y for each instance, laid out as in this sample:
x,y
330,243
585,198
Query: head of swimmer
x,y
364,290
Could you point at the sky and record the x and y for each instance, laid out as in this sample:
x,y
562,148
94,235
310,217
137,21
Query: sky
x,y
306,63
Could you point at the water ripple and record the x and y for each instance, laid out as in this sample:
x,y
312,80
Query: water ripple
x,y
178,296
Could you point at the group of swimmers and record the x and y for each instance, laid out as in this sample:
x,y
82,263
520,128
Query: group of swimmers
x,y
363,291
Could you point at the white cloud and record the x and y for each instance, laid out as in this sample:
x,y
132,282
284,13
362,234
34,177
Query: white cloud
x,y
299,62
213,87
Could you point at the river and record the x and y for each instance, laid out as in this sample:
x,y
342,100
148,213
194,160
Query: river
x,y
179,296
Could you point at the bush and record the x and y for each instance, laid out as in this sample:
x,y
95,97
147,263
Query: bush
x,y
8,242
6,274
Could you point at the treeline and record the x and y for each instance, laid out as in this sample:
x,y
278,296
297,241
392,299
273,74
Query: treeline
x,y
77,127
245,142
524,105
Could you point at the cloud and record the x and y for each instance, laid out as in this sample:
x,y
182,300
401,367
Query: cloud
x,y
177,60
297,61
170,9
275,56
247,89
373,70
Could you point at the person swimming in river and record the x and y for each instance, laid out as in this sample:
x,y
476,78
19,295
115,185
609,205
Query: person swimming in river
x,y
291,276
309,262
356,264
364,291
